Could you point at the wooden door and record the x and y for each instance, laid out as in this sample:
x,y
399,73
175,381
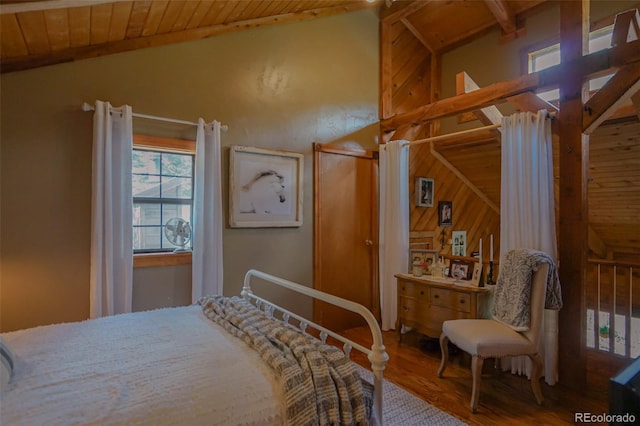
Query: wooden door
x,y
345,232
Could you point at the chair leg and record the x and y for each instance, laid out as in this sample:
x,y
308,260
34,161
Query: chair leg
x,y
536,370
444,348
476,372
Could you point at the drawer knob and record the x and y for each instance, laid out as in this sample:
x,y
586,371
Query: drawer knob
x,y
404,308
462,301
437,296
422,293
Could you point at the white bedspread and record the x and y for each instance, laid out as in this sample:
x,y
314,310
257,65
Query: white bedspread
x,y
168,366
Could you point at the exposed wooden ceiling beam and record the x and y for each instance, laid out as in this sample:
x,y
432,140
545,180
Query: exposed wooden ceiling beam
x,y
529,101
108,48
617,91
626,27
400,10
417,34
499,92
487,115
503,14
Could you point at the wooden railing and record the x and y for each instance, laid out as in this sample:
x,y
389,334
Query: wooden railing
x,y
613,308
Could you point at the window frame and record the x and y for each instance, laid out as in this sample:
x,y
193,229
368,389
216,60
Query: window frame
x,y
169,145
595,31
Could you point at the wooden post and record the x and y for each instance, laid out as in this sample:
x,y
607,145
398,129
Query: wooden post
x,y
574,160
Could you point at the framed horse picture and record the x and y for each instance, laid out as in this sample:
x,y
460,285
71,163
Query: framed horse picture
x,y
265,188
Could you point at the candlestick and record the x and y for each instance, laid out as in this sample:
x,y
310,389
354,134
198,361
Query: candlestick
x,y
491,248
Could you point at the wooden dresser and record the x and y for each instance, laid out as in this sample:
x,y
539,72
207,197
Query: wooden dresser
x,y
424,304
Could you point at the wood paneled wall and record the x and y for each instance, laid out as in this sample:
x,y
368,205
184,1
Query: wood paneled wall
x,y
411,78
471,213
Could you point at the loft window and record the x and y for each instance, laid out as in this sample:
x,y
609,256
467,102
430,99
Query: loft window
x,y
550,56
162,189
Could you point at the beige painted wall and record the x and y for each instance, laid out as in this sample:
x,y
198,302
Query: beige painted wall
x,y
279,87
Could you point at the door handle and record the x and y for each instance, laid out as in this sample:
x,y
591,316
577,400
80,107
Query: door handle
x,y
368,242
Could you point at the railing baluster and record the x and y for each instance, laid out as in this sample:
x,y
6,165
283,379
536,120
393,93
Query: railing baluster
x,y
612,318
596,317
627,332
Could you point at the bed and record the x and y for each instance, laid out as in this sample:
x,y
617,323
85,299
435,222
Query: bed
x,y
213,362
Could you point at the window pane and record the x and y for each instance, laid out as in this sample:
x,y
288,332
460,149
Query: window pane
x,y
158,176
146,162
176,210
176,187
597,83
551,95
146,186
546,59
146,214
177,164
599,40
146,238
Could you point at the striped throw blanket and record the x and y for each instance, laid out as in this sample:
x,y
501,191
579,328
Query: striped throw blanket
x,y
321,386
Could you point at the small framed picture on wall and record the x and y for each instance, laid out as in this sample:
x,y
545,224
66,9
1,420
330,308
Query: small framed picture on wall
x,y
424,192
445,213
459,243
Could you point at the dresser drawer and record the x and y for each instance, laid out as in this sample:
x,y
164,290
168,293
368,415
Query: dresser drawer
x,y
450,299
438,315
410,309
417,291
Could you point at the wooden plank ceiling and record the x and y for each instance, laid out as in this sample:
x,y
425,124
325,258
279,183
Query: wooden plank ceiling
x,y
39,33
48,32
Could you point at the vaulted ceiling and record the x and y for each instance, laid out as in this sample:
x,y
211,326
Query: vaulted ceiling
x,y
39,33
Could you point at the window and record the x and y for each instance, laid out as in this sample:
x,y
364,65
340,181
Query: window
x,y
162,189
550,56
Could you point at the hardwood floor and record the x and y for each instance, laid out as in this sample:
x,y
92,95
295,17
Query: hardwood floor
x,y
505,399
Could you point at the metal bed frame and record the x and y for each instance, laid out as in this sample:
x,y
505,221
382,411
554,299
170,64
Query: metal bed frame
x,y
377,355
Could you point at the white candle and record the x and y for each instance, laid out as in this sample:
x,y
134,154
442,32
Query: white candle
x,y
491,249
480,259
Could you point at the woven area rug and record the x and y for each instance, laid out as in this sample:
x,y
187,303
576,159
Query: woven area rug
x,y
400,408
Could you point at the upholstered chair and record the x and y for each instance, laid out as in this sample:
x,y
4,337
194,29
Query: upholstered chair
x,y
489,338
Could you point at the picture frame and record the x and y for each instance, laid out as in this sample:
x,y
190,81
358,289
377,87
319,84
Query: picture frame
x,y
465,265
424,192
445,213
427,257
459,243
265,188
476,278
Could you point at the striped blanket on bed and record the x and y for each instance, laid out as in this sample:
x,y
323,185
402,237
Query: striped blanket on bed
x,y
321,386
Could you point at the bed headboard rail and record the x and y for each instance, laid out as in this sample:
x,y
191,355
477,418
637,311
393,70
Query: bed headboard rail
x,y
377,355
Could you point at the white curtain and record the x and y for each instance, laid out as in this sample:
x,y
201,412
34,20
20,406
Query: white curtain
x,y
206,263
527,212
111,211
394,225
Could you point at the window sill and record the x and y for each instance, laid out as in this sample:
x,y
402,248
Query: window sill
x,y
149,260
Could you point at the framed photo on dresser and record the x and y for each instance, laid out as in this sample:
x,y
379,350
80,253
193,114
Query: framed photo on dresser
x,y
425,257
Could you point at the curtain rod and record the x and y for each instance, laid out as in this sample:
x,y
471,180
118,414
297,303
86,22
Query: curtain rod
x,y
453,135
86,107
463,132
